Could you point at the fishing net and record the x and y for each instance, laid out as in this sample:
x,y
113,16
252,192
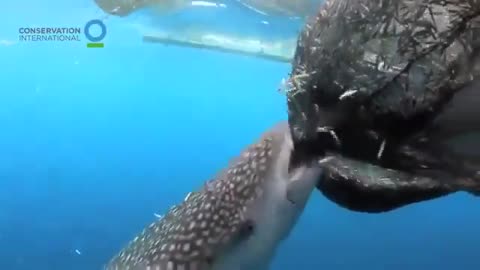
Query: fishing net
x,y
389,65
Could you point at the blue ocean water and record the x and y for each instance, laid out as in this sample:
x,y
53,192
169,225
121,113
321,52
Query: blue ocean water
x,y
94,142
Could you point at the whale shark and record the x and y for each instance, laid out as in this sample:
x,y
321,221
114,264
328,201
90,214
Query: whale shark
x,y
236,220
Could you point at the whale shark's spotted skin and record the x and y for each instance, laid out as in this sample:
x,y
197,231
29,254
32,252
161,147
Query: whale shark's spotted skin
x,y
235,221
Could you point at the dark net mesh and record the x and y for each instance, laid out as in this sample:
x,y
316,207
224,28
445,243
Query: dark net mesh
x,y
385,65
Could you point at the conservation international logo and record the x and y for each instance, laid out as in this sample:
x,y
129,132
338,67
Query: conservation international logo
x,y
94,37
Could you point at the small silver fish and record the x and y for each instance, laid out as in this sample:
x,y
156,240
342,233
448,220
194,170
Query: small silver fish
x,y
236,221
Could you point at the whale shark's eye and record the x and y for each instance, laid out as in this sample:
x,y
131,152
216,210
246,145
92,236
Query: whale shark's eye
x,y
209,260
249,228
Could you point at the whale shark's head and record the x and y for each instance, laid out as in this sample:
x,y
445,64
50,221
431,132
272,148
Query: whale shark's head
x,y
211,225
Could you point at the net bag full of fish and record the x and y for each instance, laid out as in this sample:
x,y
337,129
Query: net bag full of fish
x,y
386,65
390,82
